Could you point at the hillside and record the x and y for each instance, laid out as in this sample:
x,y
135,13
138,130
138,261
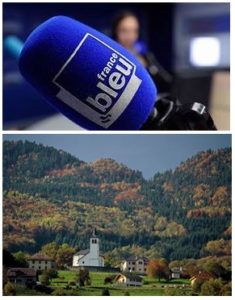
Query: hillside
x,y
49,195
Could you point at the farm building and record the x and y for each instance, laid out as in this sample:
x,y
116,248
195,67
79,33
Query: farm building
x,y
21,276
128,279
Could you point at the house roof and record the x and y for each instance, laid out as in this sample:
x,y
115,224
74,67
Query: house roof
x,y
130,276
176,270
26,272
40,256
135,258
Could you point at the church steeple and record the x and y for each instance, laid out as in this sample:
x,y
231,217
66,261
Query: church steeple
x,y
94,244
93,232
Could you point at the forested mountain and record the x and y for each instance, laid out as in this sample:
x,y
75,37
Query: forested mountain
x,y
49,195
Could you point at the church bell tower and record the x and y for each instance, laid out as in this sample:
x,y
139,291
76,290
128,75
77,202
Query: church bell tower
x,y
94,245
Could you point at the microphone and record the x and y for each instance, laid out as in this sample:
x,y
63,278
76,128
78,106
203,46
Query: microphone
x,y
86,76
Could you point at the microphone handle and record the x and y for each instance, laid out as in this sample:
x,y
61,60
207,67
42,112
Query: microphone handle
x,y
172,115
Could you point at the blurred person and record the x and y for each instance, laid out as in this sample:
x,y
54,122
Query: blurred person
x,y
126,31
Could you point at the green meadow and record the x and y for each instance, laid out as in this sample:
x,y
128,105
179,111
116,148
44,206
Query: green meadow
x,y
150,287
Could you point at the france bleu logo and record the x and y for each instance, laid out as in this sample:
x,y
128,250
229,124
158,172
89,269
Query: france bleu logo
x,y
103,86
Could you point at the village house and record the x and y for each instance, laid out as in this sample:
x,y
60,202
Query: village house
x,y
128,279
40,261
91,257
176,273
135,264
21,276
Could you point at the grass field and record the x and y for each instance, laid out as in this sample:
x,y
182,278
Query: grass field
x,y
150,287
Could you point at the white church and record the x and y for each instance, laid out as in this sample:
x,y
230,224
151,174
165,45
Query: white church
x,y
89,257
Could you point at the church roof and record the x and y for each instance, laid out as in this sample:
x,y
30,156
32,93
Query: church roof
x,y
83,252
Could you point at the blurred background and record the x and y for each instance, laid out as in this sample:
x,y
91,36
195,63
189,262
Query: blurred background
x,y
186,44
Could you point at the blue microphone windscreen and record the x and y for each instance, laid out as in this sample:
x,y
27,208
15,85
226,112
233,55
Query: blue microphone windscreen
x,y
87,76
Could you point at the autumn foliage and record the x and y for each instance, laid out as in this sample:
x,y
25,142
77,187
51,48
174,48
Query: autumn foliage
x,y
50,195
158,269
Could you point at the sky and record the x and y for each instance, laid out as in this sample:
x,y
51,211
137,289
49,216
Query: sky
x,y
148,153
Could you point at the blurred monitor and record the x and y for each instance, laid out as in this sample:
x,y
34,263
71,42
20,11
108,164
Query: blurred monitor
x,y
201,54
202,36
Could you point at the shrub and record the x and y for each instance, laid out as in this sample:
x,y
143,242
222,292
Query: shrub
x,y
72,293
59,292
45,279
43,289
174,292
212,287
105,292
52,273
9,289
83,277
109,279
227,289
126,293
197,285
63,292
